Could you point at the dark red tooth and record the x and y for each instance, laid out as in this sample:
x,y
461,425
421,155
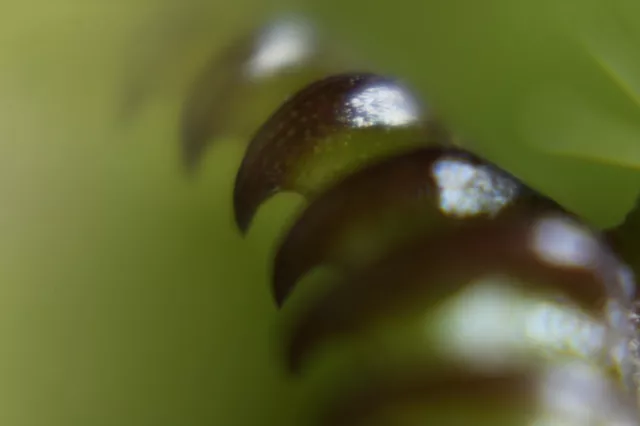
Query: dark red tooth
x,y
436,266
381,186
408,188
329,127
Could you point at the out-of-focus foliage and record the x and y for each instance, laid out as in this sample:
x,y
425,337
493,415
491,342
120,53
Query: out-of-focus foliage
x,y
127,295
547,88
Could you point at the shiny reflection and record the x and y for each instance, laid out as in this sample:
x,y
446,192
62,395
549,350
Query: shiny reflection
x,y
400,186
325,130
494,327
434,267
504,340
240,86
494,323
576,394
467,189
620,316
285,43
564,330
562,242
381,105
572,393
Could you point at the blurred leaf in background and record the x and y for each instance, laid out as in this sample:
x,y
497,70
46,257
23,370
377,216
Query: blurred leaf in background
x,y
548,89
128,298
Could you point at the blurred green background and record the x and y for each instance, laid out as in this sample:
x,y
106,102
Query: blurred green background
x,y
128,297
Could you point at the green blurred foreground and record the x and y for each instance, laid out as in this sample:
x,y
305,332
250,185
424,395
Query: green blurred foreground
x,y
128,298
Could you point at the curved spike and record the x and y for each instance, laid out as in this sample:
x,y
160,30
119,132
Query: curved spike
x,y
278,48
439,185
329,127
550,251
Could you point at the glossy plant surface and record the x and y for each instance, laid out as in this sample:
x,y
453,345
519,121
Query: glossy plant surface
x,y
413,230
